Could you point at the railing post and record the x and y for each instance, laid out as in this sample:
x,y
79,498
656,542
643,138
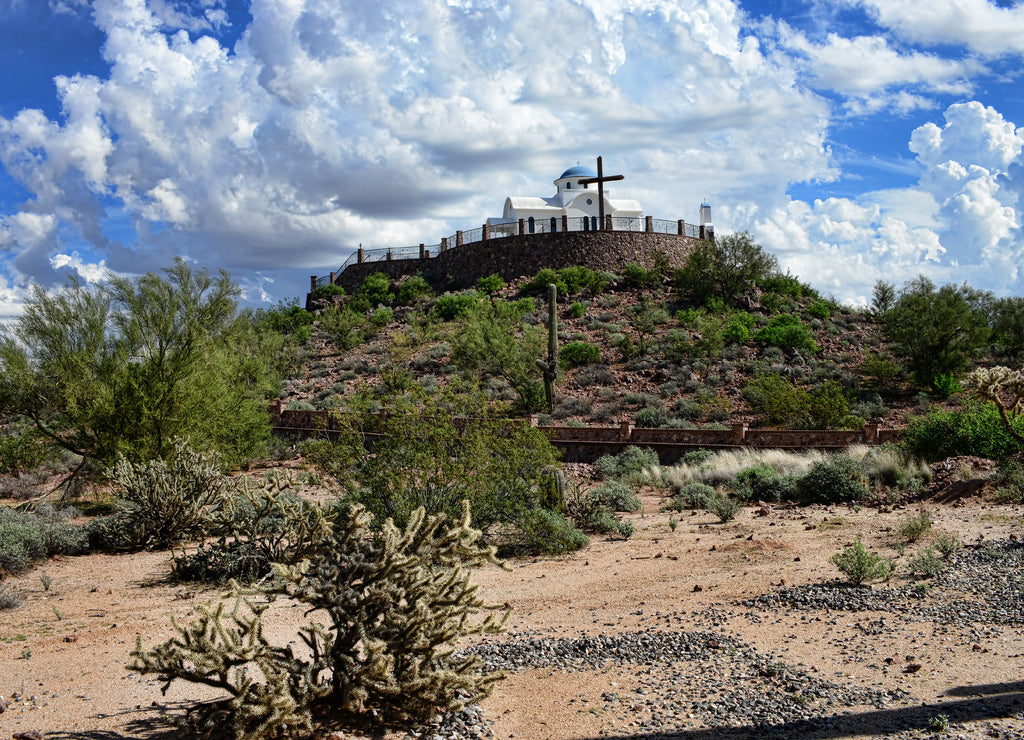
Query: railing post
x,y
458,238
565,222
333,275
682,227
312,283
485,232
360,255
871,432
625,430
702,232
648,225
390,256
608,223
522,226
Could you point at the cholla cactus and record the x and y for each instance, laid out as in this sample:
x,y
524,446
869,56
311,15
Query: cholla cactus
x,y
165,502
1003,387
392,603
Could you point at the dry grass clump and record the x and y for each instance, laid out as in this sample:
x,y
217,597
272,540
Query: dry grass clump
x,y
724,466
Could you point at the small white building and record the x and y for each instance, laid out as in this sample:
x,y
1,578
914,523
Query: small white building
x,y
571,199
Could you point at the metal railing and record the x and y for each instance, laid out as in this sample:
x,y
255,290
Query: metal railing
x,y
501,230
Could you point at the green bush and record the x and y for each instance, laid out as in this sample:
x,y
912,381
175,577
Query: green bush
x,y
737,329
835,479
21,450
577,310
859,565
913,528
568,281
820,310
691,495
327,291
376,289
779,400
631,460
490,284
786,330
577,354
548,532
634,277
21,541
1009,482
722,506
592,512
975,429
650,418
412,289
453,306
617,496
765,483
926,564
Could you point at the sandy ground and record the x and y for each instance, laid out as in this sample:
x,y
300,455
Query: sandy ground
x,y
64,651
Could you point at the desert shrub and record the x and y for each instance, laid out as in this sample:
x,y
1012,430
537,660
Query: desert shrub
x,y
548,532
568,281
691,495
577,354
301,406
327,291
453,306
394,604
779,400
945,385
411,289
618,496
686,408
650,418
737,328
630,461
376,289
10,598
591,512
577,310
591,375
1009,482
786,330
829,408
947,545
913,528
490,284
785,285
263,522
835,479
21,541
722,506
434,452
634,276
163,502
819,310
765,483
381,317
975,429
859,565
926,564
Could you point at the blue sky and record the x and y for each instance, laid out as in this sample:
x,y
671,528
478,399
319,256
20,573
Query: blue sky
x,y
857,140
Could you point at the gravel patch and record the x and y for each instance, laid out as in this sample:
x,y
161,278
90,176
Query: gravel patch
x,y
981,585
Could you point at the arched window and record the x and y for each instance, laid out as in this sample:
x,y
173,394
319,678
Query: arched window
x,y
554,225
531,225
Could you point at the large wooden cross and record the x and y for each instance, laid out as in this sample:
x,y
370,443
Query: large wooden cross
x,y
601,180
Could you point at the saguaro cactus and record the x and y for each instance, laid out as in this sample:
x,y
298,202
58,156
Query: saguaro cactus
x,y
550,367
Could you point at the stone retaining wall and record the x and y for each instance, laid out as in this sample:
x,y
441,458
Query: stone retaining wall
x,y
586,444
513,257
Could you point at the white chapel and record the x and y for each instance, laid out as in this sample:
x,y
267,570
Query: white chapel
x,y
572,199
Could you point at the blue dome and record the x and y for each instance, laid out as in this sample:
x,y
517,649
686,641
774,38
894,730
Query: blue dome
x,y
578,171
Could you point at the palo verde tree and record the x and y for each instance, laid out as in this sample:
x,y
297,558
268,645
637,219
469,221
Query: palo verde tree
x,y
937,331
724,268
124,368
